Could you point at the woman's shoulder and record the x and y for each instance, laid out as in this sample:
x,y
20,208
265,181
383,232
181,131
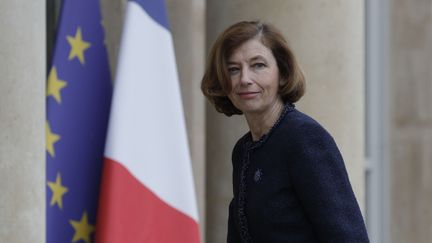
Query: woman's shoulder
x,y
309,141
298,126
297,121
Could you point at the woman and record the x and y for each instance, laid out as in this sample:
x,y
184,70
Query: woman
x,y
289,179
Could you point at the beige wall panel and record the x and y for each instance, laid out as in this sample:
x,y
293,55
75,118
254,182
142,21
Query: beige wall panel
x,y
411,52
112,21
411,121
22,121
328,39
411,185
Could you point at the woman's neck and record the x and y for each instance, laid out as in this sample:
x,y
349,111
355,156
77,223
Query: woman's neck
x,y
260,123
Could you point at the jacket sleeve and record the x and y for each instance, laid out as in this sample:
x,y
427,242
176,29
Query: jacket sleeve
x,y
321,182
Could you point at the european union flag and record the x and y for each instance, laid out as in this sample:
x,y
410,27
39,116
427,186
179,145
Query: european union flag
x,y
78,102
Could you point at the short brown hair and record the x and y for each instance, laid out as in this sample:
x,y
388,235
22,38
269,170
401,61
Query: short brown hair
x,y
216,84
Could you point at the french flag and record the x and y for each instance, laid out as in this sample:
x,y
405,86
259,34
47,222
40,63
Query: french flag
x,y
147,190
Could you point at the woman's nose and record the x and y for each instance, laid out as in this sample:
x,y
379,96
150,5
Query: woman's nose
x,y
245,78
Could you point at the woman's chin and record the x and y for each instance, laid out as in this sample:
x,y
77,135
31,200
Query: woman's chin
x,y
251,109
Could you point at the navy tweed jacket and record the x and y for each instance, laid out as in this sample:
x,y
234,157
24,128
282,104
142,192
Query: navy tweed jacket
x,y
292,186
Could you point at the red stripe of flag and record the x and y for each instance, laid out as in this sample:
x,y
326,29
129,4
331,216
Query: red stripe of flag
x,y
136,213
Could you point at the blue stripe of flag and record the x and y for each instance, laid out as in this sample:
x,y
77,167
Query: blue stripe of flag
x,y
156,10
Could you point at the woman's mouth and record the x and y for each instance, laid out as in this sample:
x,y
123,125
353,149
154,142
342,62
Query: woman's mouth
x,y
248,95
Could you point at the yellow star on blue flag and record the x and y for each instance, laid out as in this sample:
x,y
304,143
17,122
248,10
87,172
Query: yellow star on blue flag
x,y
82,229
78,46
58,190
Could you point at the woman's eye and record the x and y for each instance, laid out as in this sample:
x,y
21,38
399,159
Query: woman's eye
x,y
258,65
233,70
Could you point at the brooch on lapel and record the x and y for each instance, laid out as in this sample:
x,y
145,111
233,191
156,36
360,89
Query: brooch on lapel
x,y
258,175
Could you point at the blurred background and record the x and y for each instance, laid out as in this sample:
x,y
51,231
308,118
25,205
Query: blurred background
x,y
369,82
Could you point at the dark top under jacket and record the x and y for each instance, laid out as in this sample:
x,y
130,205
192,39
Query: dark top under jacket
x,y
292,186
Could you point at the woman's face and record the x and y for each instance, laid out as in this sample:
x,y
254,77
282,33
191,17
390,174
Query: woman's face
x,y
254,78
